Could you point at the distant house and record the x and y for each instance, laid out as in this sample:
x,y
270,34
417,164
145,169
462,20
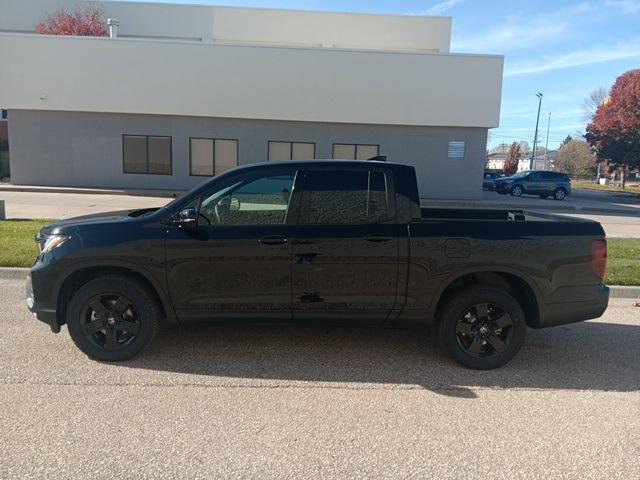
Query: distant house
x,y
495,161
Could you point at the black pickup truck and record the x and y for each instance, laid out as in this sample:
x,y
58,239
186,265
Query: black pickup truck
x,y
329,241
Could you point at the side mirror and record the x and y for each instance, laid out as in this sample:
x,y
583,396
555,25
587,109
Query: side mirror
x,y
188,218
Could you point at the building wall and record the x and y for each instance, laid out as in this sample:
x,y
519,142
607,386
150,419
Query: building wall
x,y
237,81
248,25
85,149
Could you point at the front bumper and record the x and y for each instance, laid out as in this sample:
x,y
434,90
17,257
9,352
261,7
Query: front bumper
x,y
574,304
45,315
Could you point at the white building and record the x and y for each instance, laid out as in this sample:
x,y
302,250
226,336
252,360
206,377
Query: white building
x,y
186,91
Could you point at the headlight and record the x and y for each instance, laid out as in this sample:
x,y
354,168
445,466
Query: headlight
x,y
54,241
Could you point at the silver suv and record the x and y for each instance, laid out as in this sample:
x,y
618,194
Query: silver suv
x,y
541,183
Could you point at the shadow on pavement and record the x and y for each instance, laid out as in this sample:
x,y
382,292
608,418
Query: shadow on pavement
x,y
584,356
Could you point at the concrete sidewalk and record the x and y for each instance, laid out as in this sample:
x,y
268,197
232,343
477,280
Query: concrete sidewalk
x,y
68,205
8,187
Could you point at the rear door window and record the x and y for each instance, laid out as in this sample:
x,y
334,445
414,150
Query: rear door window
x,y
341,197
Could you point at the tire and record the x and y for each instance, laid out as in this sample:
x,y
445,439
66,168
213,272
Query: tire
x,y
486,345
517,191
559,194
111,304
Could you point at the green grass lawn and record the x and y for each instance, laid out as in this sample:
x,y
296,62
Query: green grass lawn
x,y
17,246
18,249
623,265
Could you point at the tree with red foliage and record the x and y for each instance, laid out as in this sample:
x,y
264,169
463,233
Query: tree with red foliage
x,y
85,22
614,132
512,161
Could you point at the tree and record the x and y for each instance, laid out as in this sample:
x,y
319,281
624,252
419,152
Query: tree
x,y
525,148
513,159
576,158
566,140
614,132
85,22
591,103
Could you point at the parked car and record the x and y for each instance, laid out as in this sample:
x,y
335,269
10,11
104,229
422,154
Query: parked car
x,y
488,180
332,241
541,183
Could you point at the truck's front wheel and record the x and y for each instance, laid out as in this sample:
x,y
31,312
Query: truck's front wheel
x,y
482,327
113,318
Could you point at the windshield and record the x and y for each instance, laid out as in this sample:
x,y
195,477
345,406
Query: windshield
x,y
520,175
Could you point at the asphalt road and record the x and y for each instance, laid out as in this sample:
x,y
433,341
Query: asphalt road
x,y
624,223
276,402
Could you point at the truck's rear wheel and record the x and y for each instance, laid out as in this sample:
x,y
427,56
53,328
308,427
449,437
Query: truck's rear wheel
x,y
482,327
113,318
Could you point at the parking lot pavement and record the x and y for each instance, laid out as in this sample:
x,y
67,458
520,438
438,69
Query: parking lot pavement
x,y
579,199
615,226
67,205
331,402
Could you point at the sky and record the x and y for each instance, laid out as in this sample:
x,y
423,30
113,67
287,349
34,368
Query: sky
x,y
563,49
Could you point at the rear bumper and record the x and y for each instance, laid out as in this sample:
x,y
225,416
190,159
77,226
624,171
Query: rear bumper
x,y
574,304
45,315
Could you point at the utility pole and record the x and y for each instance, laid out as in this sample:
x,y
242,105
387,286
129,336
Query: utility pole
x,y
546,147
535,137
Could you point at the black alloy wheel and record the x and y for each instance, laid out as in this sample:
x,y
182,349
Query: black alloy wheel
x,y
110,321
113,317
481,327
484,330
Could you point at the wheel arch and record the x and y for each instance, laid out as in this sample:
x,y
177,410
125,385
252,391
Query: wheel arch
x,y
517,284
84,273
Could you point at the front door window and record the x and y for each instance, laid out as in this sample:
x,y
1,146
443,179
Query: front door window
x,y
258,201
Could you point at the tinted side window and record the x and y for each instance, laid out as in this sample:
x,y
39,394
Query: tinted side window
x,y
261,201
345,197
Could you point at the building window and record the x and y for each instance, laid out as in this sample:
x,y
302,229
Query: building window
x,y
3,114
456,150
212,156
146,154
348,151
283,151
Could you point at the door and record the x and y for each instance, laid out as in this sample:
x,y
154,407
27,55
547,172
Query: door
x,y
237,263
534,183
345,255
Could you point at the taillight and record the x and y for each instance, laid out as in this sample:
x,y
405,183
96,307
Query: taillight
x,y
599,257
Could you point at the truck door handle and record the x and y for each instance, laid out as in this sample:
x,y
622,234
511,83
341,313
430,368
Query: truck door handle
x,y
273,240
377,238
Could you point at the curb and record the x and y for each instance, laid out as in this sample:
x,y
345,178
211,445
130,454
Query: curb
x,y
95,191
615,291
13,273
619,291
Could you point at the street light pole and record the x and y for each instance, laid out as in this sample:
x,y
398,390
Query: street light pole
x,y
535,138
546,147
